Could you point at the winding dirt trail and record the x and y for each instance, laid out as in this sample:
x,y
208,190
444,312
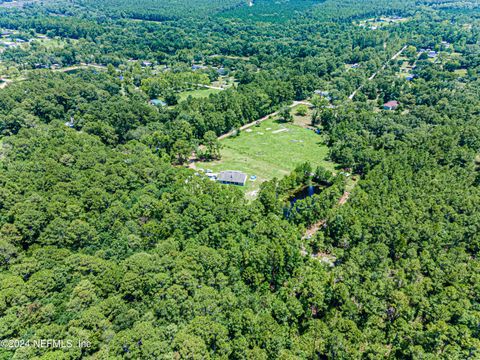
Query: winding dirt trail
x,y
313,229
326,258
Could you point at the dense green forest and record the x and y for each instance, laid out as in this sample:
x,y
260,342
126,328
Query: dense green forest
x,y
162,10
113,245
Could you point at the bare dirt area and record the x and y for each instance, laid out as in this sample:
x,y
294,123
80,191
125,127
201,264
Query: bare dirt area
x,y
4,83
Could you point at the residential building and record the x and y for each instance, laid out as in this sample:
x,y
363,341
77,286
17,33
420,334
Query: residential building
x,y
391,105
231,177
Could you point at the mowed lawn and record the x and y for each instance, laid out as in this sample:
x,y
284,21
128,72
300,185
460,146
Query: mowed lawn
x,y
269,150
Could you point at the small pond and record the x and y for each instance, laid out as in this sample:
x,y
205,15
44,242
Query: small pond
x,y
304,192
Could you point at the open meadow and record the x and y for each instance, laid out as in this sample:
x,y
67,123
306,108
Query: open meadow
x,y
270,149
198,93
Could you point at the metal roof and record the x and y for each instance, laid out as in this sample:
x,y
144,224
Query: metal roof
x,y
391,103
237,177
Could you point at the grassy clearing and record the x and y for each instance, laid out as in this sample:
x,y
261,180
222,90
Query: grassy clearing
x,y
224,81
51,44
455,55
382,21
11,73
302,120
244,58
199,93
269,150
351,182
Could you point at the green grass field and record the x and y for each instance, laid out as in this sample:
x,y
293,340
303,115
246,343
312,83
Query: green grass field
x,y
386,21
269,151
199,93
51,44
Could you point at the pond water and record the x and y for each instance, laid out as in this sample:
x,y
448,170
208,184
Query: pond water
x,y
303,193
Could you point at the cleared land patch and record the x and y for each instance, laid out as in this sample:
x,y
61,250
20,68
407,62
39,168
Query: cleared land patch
x,y
271,149
199,93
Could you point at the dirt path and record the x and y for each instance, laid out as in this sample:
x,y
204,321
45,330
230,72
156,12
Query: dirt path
x,y
352,95
328,259
313,229
7,82
344,198
212,87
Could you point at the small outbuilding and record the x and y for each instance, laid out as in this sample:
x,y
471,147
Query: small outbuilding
x,y
231,177
158,102
391,105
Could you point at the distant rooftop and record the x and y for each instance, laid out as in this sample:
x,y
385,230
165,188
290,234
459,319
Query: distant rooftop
x,y
393,104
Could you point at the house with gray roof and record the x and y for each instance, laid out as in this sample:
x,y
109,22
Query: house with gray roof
x,y
231,177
